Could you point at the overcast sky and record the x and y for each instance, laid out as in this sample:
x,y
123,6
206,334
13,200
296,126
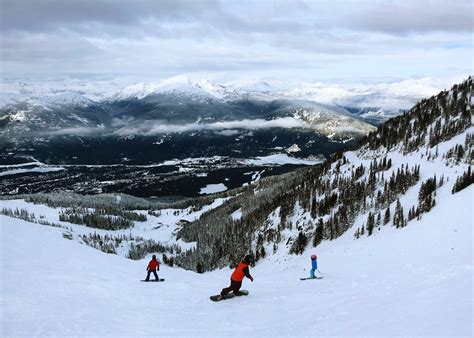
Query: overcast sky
x,y
308,40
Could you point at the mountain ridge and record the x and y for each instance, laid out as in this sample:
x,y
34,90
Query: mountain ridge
x,y
351,190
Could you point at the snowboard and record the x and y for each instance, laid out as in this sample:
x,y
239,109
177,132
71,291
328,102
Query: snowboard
x,y
153,280
311,278
218,298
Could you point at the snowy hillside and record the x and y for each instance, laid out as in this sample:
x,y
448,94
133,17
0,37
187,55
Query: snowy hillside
x,y
400,173
412,282
391,223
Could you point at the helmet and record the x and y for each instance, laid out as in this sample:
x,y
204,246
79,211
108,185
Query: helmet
x,y
154,256
248,259
313,257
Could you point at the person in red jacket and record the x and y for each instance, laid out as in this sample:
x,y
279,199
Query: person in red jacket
x,y
153,266
241,271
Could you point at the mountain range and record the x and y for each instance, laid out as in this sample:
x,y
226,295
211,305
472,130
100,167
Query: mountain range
x,y
36,116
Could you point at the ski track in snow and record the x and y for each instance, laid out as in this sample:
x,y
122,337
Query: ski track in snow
x,y
411,281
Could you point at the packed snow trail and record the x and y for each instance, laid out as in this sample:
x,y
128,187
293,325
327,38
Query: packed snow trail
x,y
411,281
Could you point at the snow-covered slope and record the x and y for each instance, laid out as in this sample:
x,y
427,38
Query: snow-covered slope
x,y
412,282
410,274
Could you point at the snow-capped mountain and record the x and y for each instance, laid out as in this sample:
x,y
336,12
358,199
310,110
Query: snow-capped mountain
x,y
391,97
35,114
173,100
65,121
179,86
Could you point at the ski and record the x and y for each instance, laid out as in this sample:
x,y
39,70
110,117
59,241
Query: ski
x,y
311,278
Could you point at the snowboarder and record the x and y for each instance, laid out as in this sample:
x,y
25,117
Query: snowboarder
x,y
241,271
314,266
153,266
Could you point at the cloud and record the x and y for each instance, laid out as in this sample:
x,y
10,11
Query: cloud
x,y
228,132
23,15
79,131
129,127
402,17
166,37
237,17
149,128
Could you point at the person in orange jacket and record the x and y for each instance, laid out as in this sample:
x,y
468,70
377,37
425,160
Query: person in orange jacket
x,y
153,266
241,271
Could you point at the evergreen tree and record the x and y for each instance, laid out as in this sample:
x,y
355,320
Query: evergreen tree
x,y
357,233
199,268
299,244
386,217
398,218
318,234
379,219
463,181
370,224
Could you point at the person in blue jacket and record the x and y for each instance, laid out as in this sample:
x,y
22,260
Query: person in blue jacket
x,y
314,266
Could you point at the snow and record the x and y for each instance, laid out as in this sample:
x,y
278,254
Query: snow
x,y
32,170
193,161
280,159
22,164
180,85
213,188
398,282
293,149
330,122
64,98
19,116
237,214
389,96
413,281
161,228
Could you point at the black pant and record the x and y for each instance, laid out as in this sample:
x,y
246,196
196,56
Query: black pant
x,y
149,272
234,287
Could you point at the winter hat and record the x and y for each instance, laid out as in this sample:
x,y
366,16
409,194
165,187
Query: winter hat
x,y
313,257
248,259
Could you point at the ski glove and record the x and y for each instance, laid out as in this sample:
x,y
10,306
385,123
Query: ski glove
x,y
251,279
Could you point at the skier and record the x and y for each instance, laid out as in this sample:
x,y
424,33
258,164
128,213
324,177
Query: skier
x,y
241,271
314,266
153,266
